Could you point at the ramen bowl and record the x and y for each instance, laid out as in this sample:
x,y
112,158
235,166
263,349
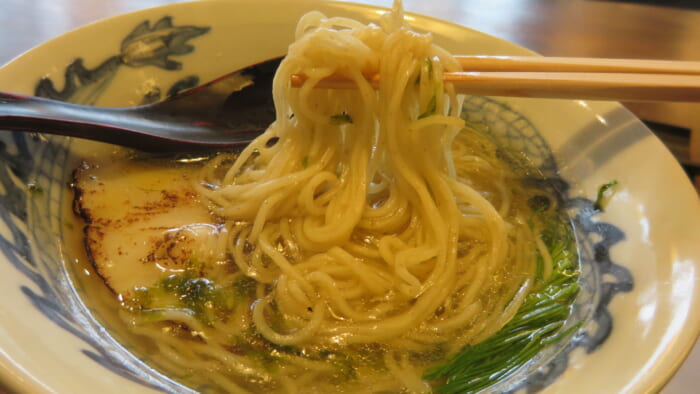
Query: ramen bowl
x,y
638,307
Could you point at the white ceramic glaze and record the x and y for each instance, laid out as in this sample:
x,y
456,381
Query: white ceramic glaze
x,y
655,325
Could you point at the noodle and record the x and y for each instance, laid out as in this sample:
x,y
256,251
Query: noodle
x,y
333,145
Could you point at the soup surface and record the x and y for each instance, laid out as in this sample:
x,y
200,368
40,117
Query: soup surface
x,y
157,246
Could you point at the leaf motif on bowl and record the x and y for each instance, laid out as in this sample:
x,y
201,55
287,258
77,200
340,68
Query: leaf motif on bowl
x,y
147,45
144,46
82,85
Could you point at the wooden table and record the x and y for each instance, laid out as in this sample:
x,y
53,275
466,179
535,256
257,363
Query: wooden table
x,y
584,28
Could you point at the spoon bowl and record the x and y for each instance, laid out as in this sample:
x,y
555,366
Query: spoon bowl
x,y
226,113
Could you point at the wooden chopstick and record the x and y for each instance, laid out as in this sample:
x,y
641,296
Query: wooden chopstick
x,y
575,78
576,64
588,86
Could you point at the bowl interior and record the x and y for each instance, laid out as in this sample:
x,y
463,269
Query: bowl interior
x,y
639,259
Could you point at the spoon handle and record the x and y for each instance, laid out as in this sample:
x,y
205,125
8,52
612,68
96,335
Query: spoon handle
x,y
135,127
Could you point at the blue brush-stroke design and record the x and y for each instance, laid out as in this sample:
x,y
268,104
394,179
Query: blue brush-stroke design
x,y
40,161
595,334
34,159
147,45
183,84
144,46
43,266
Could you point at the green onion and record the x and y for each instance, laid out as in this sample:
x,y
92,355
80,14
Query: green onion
x,y
34,189
341,119
429,66
603,196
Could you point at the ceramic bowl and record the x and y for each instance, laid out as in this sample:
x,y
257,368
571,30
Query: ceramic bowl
x,y
640,257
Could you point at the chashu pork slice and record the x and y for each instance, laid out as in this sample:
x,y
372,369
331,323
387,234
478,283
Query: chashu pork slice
x,y
143,222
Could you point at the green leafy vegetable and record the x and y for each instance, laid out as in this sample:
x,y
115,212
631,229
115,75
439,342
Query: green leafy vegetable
x,y
538,322
196,294
207,300
341,119
257,348
604,196
245,287
428,65
538,204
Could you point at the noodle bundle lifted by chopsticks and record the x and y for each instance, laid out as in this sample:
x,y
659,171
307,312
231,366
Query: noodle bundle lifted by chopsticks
x,y
355,216
357,211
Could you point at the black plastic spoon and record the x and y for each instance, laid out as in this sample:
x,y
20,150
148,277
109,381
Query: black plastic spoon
x,y
225,113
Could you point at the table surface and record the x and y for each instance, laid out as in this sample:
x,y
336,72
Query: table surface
x,y
585,28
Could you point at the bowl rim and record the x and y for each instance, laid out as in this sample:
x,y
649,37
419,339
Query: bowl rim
x,y
8,376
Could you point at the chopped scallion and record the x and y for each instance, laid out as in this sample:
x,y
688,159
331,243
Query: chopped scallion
x,y
605,192
341,119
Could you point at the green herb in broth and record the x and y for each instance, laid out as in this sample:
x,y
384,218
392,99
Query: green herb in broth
x,y
538,323
205,299
341,118
605,193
